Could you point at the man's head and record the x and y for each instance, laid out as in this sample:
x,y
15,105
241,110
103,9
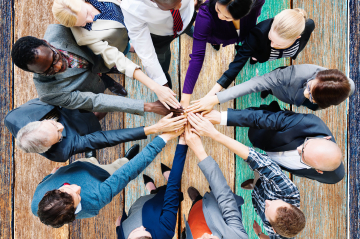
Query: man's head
x,y
286,219
321,154
36,55
139,233
57,207
39,136
167,5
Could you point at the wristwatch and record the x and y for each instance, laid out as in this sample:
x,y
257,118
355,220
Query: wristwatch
x,y
259,234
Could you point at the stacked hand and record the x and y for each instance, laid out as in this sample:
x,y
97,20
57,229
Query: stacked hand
x,y
204,105
201,125
168,124
167,97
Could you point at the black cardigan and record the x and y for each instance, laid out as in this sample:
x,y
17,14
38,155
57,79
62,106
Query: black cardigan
x,y
257,44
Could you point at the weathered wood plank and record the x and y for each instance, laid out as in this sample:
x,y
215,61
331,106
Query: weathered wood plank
x,y
354,118
6,104
325,205
215,63
30,168
243,172
136,90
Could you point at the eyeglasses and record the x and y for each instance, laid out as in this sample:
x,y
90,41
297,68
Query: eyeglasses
x,y
308,89
56,58
58,130
302,158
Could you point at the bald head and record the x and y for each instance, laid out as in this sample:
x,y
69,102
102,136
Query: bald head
x,y
322,154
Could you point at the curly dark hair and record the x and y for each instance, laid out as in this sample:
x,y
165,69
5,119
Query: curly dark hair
x,y
56,208
289,221
24,51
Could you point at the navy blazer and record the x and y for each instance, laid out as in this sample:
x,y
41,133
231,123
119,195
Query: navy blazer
x,y
159,214
283,131
82,130
258,45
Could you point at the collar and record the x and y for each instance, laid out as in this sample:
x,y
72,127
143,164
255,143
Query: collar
x,y
78,208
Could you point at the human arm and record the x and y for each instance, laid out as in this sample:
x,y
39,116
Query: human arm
x,y
221,190
257,230
166,124
172,194
118,181
139,34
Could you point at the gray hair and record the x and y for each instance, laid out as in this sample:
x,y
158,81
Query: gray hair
x,y
30,140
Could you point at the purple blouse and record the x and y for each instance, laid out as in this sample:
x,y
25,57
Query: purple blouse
x,y
209,28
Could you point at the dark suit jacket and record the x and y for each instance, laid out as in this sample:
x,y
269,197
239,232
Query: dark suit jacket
x,y
257,44
82,130
283,131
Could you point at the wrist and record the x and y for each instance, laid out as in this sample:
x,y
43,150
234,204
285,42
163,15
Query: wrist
x,y
201,154
214,100
166,137
153,129
147,107
216,135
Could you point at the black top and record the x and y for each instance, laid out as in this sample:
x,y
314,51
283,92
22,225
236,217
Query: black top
x,y
258,45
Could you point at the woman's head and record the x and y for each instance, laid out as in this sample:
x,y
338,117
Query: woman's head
x,y
287,26
56,208
230,10
330,87
72,13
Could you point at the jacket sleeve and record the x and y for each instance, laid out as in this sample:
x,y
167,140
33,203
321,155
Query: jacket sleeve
x,y
103,139
243,53
263,119
113,57
255,84
94,102
201,32
224,196
172,194
118,181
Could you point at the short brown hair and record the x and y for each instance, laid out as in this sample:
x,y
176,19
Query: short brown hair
x,y
332,88
56,208
289,221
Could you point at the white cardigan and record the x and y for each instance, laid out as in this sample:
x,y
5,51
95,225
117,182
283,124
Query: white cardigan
x,y
100,39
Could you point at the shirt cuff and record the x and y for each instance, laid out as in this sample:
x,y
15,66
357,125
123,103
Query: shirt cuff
x,y
163,139
224,117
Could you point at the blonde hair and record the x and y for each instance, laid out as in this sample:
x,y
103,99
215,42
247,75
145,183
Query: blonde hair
x,y
290,23
65,11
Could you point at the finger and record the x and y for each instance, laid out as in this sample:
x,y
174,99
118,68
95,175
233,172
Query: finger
x,y
172,104
196,118
168,116
177,118
180,122
194,101
192,122
193,107
174,101
196,132
166,106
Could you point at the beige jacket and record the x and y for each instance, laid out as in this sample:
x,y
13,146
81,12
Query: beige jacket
x,y
108,39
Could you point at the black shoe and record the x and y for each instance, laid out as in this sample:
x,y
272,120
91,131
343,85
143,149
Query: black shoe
x,y
193,193
132,152
147,179
264,94
164,168
216,47
113,86
248,184
90,153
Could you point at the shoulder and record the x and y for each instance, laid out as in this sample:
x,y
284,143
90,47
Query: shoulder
x,y
310,24
259,34
263,27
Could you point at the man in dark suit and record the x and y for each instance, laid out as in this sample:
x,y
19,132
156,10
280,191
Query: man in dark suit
x,y
301,144
58,133
67,75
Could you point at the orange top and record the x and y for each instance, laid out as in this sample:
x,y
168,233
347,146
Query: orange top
x,y
197,221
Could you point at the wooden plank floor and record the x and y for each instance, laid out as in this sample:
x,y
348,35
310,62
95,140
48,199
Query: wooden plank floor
x,y
324,205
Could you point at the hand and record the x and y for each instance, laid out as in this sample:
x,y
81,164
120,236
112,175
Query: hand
x,y
167,123
173,134
193,140
205,104
158,108
54,170
256,227
214,116
202,126
167,97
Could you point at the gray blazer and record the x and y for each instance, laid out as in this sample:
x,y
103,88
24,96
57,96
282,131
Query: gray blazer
x,y
221,207
80,88
286,83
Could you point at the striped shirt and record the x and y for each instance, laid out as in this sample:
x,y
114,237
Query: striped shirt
x,y
108,11
281,53
273,185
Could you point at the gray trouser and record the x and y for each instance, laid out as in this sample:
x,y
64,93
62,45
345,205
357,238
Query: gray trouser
x,y
110,168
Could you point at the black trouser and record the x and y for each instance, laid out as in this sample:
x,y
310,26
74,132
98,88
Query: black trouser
x,y
162,48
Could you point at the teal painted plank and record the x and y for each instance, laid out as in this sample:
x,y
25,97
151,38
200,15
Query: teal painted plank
x,y
327,47
243,172
136,90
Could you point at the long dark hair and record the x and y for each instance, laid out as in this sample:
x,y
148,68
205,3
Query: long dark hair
x,y
237,8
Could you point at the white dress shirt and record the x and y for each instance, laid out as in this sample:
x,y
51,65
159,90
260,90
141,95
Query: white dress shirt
x,y
143,17
288,159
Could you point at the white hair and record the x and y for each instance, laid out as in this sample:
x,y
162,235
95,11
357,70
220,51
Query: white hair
x,y
30,140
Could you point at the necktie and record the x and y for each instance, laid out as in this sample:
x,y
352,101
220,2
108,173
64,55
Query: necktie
x,y
178,24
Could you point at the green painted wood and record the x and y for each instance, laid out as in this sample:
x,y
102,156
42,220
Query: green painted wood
x,y
243,172
136,90
325,206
